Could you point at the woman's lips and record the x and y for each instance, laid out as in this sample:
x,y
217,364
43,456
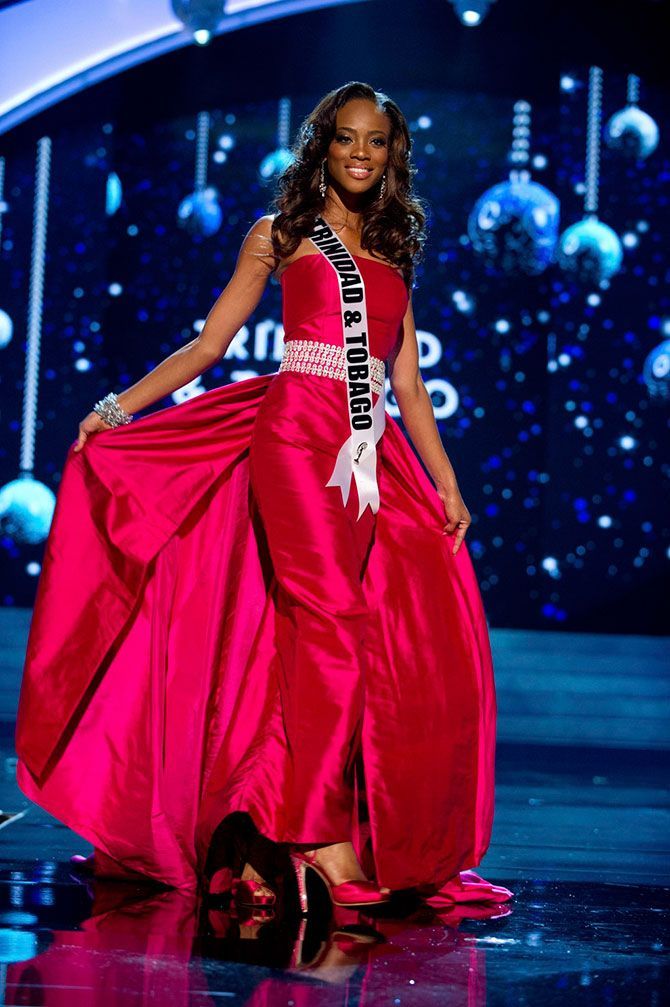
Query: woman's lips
x,y
359,172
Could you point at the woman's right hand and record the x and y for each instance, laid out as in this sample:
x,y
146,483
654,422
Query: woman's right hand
x,y
91,424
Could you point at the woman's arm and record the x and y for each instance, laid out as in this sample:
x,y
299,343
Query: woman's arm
x,y
230,311
417,414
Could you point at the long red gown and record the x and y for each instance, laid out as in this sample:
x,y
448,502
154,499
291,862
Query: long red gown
x,y
214,631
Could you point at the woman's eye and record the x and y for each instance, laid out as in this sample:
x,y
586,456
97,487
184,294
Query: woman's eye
x,y
378,140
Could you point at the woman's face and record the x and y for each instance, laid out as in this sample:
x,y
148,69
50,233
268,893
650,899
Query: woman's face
x,y
359,150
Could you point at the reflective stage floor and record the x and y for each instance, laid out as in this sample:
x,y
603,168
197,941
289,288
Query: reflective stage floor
x,y
580,835
579,930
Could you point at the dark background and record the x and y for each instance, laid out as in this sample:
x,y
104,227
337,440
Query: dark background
x,y
534,482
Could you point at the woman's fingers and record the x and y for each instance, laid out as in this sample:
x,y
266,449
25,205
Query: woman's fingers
x,y
92,424
460,535
460,527
81,440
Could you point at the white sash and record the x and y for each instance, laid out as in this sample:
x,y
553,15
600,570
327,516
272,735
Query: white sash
x,y
358,454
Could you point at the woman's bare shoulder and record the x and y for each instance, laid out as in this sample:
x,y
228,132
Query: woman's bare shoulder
x,y
258,241
262,227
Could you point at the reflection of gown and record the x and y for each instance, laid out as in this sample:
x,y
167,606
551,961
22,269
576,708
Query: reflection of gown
x,y
210,620
165,949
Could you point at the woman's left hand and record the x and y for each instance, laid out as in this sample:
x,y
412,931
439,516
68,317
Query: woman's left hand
x,y
457,514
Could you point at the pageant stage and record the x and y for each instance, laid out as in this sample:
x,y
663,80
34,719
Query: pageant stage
x,y
580,834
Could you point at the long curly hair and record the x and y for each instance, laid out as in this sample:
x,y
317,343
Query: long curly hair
x,y
393,227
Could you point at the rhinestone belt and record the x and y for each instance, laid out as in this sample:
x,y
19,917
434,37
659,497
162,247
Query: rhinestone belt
x,y
312,357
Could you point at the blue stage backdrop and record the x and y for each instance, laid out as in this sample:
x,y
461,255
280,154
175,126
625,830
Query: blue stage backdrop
x,y
551,408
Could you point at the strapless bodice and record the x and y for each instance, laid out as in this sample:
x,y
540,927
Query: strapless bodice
x,y
311,302
311,409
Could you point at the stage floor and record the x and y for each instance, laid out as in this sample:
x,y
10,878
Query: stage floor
x,y
581,839
580,834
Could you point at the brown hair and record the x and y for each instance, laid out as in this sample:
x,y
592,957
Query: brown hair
x,y
393,226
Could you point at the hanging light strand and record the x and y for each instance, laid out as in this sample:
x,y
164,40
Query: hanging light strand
x,y
593,139
521,134
35,302
633,90
201,151
284,122
2,200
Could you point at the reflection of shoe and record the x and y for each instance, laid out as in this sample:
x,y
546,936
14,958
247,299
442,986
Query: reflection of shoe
x,y
347,893
452,914
466,886
253,916
352,940
299,960
347,919
256,894
333,957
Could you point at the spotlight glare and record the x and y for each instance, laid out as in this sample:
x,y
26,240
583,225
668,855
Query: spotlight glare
x,y
471,12
202,36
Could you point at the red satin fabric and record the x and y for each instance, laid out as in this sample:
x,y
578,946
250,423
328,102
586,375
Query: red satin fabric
x,y
215,632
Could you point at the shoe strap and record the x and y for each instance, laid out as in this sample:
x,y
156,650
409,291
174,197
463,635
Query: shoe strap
x,y
305,855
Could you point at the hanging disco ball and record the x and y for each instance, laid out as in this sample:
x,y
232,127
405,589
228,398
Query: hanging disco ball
x,y
632,132
6,329
200,213
113,194
199,15
274,164
656,371
26,509
471,12
590,250
514,225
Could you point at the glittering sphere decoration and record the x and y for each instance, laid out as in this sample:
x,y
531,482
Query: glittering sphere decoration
x,y
273,164
514,225
26,510
656,371
278,160
632,133
113,194
199,15
26,505
590,250
200,213
6,329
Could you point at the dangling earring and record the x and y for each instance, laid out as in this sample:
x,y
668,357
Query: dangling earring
x,y
322,180
382,187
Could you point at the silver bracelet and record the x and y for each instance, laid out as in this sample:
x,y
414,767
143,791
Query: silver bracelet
x,y
111,411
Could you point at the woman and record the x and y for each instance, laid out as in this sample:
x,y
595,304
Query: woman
x,y
247,604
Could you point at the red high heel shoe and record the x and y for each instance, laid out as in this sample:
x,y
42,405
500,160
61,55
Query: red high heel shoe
x,y
467,886
347,893
253,894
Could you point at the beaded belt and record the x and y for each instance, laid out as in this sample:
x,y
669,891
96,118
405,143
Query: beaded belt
x,y
312,357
